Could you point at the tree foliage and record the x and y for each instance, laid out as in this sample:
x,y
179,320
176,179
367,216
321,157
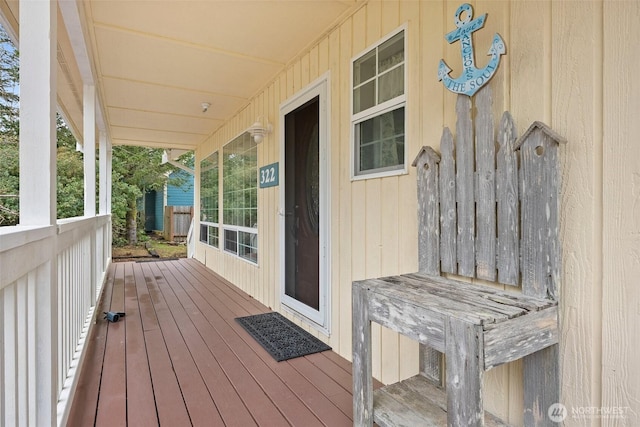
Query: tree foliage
x,y
70,171
9,128
135,170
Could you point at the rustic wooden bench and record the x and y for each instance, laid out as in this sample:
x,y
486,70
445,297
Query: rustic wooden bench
x,y
493,219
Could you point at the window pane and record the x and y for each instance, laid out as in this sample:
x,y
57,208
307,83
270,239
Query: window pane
x,y
364,68
240,181
213,236
209,188
381,142
391,52
391,84
364,97
248,246
203,233
231,241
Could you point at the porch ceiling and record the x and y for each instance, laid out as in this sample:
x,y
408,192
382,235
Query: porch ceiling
x,y
155,62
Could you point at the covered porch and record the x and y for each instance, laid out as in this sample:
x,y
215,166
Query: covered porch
x,y
178,357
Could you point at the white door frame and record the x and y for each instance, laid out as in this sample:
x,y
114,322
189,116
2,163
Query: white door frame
x,y
320,319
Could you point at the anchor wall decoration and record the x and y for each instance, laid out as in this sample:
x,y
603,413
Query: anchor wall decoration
x,y
472,78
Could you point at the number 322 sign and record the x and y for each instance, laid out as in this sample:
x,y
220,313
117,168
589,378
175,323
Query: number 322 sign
x,y
269,175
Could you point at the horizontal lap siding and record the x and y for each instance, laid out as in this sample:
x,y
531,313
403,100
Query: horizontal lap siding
x,y
551,73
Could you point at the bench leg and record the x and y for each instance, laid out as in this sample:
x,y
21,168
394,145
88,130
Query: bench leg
x,y
541,386
465,369
362,375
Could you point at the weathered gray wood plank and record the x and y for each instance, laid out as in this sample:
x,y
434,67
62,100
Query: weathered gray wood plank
x,y
516,299
397,406
437,396
361,367
426,164
507,199
541,386
485,187
428,301
520,337
465,188
420,324
463,302
539,200
448,215
464,374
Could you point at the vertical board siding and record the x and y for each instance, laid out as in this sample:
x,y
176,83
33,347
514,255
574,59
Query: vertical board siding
x,y
552,73
621,210
571,108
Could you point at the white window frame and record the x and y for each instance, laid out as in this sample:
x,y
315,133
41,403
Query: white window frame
x,y
208,243
209,223
377,110
231,227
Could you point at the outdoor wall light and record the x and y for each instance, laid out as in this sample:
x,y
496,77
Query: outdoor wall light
x,y
257,130
205,106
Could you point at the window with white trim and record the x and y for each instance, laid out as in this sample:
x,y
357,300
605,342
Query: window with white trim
x,y
378,116
240,197
209,190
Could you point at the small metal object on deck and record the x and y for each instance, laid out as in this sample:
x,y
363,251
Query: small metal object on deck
x,y
113,316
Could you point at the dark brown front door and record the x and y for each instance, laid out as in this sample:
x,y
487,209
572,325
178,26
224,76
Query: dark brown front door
x,y
302,204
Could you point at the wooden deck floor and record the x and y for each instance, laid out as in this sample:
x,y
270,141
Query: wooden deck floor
x,y
179,358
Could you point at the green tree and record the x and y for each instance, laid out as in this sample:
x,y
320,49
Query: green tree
x,y
135,170
9,128
70,172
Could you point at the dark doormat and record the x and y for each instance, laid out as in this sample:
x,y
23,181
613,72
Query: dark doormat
x,y
282,338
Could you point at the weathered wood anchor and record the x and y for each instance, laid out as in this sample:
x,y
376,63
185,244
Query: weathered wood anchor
x,y
472,78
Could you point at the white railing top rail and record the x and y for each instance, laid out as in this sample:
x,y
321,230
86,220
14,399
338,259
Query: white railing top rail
x,y
23,248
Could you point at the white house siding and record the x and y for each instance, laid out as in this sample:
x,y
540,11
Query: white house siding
x,y
572,65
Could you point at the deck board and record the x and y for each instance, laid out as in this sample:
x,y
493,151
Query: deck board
x,y
179,358
112,400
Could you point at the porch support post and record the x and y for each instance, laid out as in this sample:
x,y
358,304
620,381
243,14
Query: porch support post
x,y
38,112
105,170
38,62
89,149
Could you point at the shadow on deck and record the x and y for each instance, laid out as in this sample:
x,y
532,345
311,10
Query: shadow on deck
x,y
179,358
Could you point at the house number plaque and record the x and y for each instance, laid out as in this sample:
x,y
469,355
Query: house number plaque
x,y
269,175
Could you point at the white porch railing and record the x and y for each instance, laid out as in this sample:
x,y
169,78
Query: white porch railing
x,y
50,280
191,240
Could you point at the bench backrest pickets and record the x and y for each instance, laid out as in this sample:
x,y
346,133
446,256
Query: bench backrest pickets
x,y
488,206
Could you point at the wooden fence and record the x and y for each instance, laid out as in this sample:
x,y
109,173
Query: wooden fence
x,y
176,222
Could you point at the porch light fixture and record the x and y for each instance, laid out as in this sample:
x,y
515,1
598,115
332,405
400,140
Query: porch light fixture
x,y
257,130
205,106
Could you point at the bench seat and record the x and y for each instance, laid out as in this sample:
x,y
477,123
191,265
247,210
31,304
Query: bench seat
x,y
477,327
418,306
